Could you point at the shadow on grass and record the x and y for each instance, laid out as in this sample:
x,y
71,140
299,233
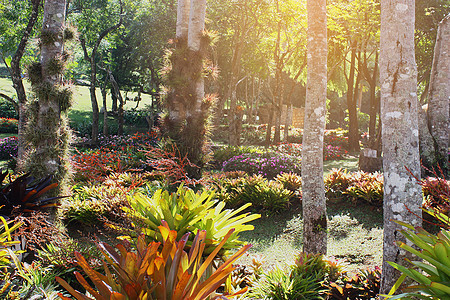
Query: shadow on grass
x,y
354,235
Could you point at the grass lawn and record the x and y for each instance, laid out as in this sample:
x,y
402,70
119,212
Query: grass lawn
x,y
355,236
81,96
355,232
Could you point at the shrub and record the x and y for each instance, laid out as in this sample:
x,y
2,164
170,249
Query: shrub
x,y
333,152
187,211
96,165
136,117
7,110
8,125
263,194
155,272
330,152
290,181
336,137
225,153
90,204
337,182
436,191
303,280
267,164
24,194
367,187
8,147
359,186
6,241
362,285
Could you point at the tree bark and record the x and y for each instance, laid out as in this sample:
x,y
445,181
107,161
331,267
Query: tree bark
x,y
439,93
314,201
183,9
398,81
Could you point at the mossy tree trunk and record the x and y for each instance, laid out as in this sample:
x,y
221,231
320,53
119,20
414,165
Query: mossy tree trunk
x,y
314,201
400,134
188,109
47,131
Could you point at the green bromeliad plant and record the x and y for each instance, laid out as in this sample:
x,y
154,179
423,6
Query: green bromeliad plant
x,y
186,211
432,272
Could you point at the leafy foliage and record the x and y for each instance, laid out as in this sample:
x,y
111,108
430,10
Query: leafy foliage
x,y
290,181
303,280
186,211
359,186
156,270
262,193
433,273
363,285
23,194
6,241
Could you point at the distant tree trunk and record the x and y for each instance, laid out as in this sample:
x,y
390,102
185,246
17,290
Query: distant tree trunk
x,y
121,103
353,131
105,108
277,96
16,77
426,143
269,126
439,93
314,202
400,134
371,78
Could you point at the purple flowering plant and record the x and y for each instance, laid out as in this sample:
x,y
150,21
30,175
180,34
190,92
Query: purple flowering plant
x,y
8,147
269,164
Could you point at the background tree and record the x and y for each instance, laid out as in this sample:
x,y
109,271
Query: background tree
x,y
95,20
439,94
17,22
314,201
398,80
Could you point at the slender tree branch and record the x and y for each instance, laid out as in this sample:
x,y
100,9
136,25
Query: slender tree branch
x,y
11,100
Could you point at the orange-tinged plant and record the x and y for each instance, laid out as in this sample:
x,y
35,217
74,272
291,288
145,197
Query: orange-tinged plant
x,y
156,271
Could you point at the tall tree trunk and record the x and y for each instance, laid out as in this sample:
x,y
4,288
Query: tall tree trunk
x,y
400,134
187,120
314,202
47,129
439,93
